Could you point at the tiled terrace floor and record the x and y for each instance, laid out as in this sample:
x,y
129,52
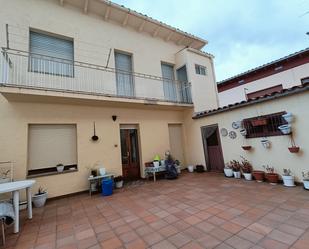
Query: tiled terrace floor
x,y
195,211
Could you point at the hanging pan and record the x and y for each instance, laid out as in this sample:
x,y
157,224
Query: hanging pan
x,y
94,137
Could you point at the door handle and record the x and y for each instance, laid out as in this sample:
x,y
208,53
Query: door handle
x,y
128,153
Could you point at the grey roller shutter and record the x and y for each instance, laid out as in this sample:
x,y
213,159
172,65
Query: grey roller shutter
x,y
124,78
50,54
169,85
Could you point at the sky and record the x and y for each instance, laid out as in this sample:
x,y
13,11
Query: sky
x,y
242,34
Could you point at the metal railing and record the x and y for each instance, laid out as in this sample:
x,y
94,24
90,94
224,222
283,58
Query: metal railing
x,y
35,71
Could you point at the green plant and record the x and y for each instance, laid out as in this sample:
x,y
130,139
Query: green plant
x,y
118,179
246,166
269,170
59,164
228,165
305,175
235,165
4,174
41,191
287,172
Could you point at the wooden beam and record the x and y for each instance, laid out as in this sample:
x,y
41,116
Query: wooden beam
x,y
169,36
125,20
156,31
141,27
61,2
86,6
107,12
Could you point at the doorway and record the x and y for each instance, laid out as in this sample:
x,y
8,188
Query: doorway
x,y
130,153
176,142
212,148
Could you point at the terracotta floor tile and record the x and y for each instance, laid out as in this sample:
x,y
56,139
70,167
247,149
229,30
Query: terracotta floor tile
x,y
220,234
168,231
239,243
268,243
112,243
250,235
282,237
179,239
231,227
136,244
128,236
152,238
164,244
209,241
205,226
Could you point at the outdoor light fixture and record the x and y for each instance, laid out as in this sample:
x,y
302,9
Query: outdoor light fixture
x,y
114,117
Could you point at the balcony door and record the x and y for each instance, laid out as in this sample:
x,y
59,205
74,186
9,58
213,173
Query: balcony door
x,y
130,153
184,87
124,77
169,86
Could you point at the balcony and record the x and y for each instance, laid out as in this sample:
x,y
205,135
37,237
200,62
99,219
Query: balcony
x,y
22,70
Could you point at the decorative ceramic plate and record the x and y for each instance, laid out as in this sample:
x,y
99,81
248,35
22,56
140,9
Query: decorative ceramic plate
x,y
232,134
236,124
223,132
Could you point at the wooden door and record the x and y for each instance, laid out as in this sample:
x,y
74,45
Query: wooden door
x,y
130,154
212,148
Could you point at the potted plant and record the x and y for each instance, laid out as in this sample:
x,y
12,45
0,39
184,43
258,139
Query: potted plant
x,y
258,175
4,176
60,167
271,176
259,121
228,170
306,179
246,169
288,178
236,168
191,168
40,197
266,143
288,117
156,161
285,129
118,181
293,148
246,147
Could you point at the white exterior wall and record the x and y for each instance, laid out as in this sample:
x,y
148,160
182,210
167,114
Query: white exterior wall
x,y
288,78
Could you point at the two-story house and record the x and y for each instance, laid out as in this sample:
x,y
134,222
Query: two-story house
x,y
291,70
73,71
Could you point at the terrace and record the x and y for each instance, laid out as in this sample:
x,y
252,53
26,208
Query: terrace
x,y
195,211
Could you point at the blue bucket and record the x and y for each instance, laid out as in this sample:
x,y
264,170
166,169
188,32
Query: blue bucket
x,y
107,187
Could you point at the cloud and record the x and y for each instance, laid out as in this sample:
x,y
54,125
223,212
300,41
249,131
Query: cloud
x,y
242,34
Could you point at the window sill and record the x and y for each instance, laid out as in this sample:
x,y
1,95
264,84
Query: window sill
x,y
41,174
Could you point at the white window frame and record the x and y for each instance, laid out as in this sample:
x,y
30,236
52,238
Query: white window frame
x,y
201,70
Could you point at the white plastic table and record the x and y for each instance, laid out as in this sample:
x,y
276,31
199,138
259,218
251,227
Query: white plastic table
x,y
15,187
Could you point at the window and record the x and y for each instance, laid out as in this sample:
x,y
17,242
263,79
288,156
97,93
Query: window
x,y
263,92
51,54
200,69
169,85
305,80
49,145
124,77
264,126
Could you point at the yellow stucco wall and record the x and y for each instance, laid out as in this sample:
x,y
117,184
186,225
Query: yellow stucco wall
x,y
15,117
277,156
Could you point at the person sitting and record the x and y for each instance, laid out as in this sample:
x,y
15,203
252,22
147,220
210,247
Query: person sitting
x,y
170,165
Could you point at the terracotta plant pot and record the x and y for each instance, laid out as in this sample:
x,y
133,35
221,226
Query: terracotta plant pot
x,y
259,122
246,147
273,178
294,149
258,175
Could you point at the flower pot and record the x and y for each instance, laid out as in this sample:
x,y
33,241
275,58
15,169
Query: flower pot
x,y
243,132
39,200
102,171
228,172
60,168
288,117
246,147
248,176
273,178
306,184
190,168
119,184
294,149
156,164
162,162
288,181
259,122
265,143
285,129
237,174
4,180
258,175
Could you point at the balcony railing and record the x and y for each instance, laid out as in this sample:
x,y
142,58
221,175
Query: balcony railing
x,y
34,71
